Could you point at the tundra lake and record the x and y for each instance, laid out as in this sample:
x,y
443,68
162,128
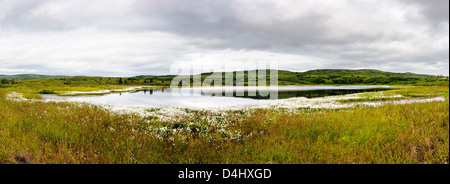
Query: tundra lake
x,y
216,97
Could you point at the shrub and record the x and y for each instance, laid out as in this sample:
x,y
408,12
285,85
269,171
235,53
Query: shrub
x,y
45,91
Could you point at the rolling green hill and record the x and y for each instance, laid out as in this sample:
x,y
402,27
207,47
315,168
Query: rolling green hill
x,y
31,76
311,77
366,72
346,76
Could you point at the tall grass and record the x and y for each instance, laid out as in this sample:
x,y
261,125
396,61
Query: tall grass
x,y
32,96
39,132
404,92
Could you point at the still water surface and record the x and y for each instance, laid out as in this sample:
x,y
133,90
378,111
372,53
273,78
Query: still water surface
x,y
219,96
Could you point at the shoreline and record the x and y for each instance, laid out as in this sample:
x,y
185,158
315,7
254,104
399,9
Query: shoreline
x,y
327,102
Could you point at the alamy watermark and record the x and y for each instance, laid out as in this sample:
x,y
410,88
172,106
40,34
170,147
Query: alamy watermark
x,y
251,79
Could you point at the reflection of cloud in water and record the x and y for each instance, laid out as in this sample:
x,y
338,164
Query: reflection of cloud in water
x,y
215,97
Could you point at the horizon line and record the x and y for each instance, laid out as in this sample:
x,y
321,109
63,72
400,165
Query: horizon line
x,y
69,75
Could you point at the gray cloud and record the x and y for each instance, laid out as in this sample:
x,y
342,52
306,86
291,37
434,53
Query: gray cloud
x,y
436,11
145,36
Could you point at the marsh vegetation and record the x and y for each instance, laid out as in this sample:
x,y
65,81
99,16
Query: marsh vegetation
x,y
395,126
51,132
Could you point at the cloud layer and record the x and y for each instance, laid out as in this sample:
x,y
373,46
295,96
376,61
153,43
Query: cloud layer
x,y
134,37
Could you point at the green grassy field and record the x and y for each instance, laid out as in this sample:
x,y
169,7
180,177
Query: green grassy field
x,y
49,132
36,83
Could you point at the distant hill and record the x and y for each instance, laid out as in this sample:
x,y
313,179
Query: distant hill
x,y
348,76
311,77
32,76
335,77
318,72
365,72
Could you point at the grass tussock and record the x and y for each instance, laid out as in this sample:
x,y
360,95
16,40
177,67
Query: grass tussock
x,y
39,132
370,99
32,96
420,91
400,94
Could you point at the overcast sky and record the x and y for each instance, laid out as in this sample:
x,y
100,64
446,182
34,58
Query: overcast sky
x,y
134,37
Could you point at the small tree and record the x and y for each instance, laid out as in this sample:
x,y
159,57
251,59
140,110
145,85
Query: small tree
x,y
120,81
4,81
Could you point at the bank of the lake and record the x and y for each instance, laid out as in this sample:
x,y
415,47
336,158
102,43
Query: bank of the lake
x,y
33,131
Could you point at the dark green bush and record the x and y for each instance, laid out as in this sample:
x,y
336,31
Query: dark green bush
x,y
45,91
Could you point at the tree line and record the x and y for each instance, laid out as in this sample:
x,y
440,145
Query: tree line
x,y
6,81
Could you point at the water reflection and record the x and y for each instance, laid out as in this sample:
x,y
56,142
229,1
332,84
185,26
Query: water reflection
x,y
218,97
282,92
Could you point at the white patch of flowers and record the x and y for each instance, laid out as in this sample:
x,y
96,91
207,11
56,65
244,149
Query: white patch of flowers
x,y
99,91
15,96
